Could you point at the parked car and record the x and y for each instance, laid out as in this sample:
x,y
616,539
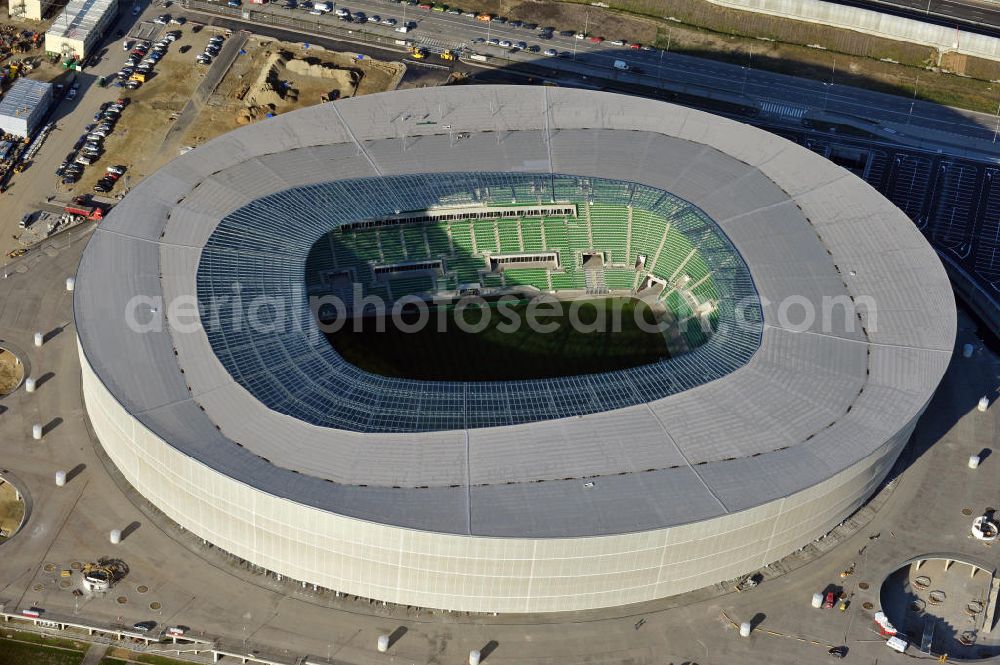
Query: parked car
x,y
118,168
389,22
550,52
71,94
162,19
144,626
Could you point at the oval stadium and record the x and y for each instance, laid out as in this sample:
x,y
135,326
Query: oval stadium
x,y
802,325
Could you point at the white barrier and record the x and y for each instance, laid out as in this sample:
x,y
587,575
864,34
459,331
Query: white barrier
x,y
871,22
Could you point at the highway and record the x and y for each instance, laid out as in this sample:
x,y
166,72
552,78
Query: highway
x,y
777,94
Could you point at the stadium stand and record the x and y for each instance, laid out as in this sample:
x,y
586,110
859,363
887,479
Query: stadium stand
x,y
615,223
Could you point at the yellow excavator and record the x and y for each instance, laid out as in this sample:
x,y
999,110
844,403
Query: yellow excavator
x,y
417,53
448,54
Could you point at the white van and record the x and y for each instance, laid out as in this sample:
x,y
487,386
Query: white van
x,y
403,28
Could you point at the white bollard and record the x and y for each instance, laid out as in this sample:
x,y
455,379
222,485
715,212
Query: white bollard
x,y
70,283
745,629
817,601
39,339
973,461
967,351
474,657
60,478
383,643
984,403
116,536
29,384
36,431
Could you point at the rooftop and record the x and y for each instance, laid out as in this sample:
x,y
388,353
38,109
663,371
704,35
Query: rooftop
x,y
23,97
79,17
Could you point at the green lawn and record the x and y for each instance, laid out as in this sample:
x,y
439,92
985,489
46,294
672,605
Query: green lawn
x,y
18,653
500,354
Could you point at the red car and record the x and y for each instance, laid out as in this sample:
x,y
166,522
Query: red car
x,y
596,40
635,45
830,599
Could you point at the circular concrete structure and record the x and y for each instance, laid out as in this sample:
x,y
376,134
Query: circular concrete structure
x,y
836,323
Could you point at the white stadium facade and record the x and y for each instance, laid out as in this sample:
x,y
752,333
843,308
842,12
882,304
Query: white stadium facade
x,y
518,497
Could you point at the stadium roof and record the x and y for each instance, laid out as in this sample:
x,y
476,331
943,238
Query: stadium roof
x,y
812,401
289,372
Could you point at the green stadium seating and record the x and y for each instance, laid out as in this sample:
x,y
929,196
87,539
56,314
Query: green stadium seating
x,y
391,244
486,236
406,285
609,225
463,246
619,279
538,278
510,242
531,231
413,238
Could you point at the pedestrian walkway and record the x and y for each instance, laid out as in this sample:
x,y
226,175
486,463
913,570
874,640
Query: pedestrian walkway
x,y
95,654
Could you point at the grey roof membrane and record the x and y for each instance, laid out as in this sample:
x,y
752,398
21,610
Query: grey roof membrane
x,y
812,401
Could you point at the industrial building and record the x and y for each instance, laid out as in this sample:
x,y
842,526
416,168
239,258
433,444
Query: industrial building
x,y
34,10
24,106
835,324
79,27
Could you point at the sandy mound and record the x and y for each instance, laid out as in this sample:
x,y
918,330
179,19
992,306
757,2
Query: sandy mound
x,y
284,78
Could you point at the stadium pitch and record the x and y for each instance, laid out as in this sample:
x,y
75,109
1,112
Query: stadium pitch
x,y
491,343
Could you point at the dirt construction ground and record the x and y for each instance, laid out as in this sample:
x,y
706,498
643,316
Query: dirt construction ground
x,y
242,97
11,510
11,372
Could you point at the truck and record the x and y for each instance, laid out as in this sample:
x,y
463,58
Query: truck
x,y
621,65
91,212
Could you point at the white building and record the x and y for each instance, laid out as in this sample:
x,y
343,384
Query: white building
x,y
24,106
79,27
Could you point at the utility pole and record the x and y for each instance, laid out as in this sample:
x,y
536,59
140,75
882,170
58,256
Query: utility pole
x,y
909,115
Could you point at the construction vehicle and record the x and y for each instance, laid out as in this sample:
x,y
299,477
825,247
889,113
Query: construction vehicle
x,y
448,54
417,53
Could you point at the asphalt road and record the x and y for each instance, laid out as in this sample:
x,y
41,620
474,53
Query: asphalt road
x,y
782,94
